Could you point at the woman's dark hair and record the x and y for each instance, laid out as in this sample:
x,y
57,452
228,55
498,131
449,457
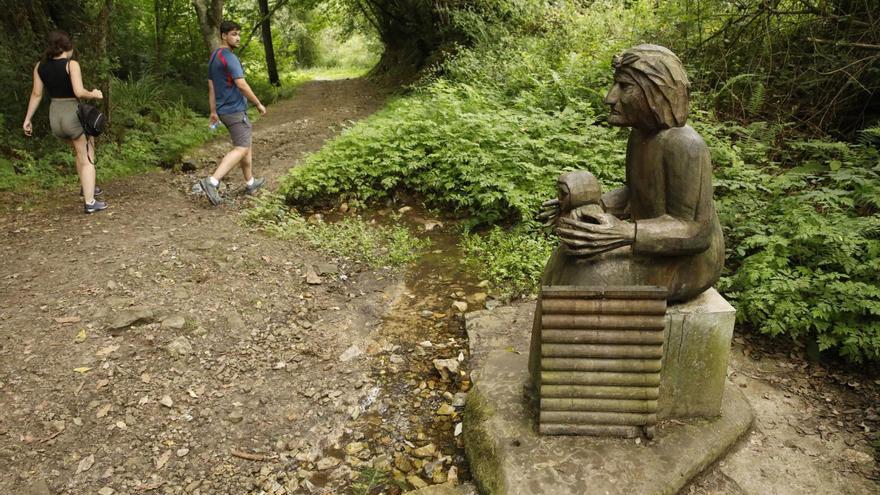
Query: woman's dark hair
x,y
227,26
58,42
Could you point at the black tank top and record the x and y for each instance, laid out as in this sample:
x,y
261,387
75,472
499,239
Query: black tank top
x,y
54,75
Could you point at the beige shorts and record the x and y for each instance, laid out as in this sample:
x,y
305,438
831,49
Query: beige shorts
x,y
63,120
239,126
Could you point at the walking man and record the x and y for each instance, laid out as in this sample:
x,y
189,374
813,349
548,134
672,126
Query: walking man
x,y
227,90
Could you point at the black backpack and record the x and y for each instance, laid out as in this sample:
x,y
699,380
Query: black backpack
x,y
93,121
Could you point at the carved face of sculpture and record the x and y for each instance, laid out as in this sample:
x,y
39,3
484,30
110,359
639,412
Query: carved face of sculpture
x,y
628,104
564,196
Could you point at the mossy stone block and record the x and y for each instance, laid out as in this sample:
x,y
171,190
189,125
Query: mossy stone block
x,y
696,351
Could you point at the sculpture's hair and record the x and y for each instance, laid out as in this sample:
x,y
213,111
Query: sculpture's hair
x,y
662,78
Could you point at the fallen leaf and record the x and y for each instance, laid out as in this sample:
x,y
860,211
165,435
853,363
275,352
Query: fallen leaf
x,y
86,463
149,486
81,336
103,410
163,459
106,350
82,369
65,320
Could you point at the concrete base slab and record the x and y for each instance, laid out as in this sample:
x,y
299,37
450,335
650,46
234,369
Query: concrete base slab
x,y
507,456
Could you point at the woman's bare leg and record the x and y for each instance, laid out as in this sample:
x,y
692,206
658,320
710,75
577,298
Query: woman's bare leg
x,y
84,169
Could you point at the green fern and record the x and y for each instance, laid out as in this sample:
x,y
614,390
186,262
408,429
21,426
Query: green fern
x,y
756,101
728,85
870,136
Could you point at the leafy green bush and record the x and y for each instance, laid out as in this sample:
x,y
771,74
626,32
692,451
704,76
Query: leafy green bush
x,y
355,51
803,241
351,237
463,153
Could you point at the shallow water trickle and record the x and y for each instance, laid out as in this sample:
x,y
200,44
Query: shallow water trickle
x,y
417,405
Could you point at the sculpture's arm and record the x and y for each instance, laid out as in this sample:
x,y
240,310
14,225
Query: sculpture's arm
x,y
686,227
617,202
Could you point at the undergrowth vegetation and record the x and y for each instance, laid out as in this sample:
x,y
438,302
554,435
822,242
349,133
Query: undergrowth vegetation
x,y
803,235
487,139
351,237
510,259
485,134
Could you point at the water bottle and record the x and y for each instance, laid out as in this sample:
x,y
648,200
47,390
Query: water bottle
x,y
214,125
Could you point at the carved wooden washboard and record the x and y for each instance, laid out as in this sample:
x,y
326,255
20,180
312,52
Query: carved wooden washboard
x,y
600,360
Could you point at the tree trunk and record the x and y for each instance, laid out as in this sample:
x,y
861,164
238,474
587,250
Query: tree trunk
x,y
412,32
209,14
267,43
103,55
27,18
160,35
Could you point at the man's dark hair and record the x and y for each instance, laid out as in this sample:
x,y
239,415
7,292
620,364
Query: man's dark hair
x,y
57,42
227,26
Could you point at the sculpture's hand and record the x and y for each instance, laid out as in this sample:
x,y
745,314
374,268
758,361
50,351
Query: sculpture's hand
x,y
599,233
549,212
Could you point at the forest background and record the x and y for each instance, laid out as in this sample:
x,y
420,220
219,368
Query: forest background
x,y
502,96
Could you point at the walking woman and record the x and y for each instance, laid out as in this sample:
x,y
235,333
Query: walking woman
x,y
62,77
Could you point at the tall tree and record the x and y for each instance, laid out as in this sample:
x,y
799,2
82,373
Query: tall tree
x,y
209,14
266,29
103,54
163,16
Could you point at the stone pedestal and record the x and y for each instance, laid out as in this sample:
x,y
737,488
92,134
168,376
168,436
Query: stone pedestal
x,y
695,355
507,456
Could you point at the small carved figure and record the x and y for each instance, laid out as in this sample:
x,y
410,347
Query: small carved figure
x,y
579,194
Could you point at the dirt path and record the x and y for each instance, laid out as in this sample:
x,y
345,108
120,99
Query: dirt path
x,y
813,428
224,374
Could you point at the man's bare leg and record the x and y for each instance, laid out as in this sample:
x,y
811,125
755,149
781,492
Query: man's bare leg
x,y
229,161
247,162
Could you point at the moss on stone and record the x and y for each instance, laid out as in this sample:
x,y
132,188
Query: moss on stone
x,y
478,445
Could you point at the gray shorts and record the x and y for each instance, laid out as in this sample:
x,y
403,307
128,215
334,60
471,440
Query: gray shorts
x,y
63,119
239,126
